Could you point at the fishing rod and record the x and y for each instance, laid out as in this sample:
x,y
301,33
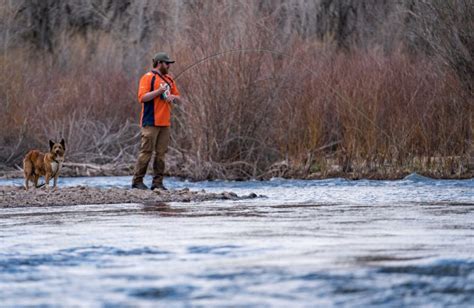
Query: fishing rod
x,y
343,98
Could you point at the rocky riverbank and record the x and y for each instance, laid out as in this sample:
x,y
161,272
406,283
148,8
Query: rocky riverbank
x,y
15,196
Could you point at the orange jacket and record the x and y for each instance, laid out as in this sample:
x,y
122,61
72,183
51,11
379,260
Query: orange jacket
x,y
156,112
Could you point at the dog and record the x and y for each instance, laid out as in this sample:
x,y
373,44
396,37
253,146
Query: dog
x,y
38,164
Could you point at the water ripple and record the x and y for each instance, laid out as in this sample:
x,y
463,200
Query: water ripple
x,y
181,292
71,257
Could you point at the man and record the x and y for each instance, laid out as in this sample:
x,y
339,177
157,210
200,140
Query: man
x,y
156,92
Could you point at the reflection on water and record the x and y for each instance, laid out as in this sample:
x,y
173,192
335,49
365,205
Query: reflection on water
x,y
163,209
331,242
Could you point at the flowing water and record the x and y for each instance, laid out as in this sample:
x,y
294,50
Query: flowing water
x,y
307,243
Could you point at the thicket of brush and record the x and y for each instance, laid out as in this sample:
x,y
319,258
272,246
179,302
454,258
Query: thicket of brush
x,y
311,89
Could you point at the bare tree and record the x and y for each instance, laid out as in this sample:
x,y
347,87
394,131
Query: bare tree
x,y
445,29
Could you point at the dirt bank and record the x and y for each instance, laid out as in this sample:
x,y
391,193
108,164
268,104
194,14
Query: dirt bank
x,y
14,196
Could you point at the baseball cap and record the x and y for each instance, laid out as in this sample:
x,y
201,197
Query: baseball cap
x,y
162,57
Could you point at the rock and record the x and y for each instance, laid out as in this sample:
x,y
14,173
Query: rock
x,y
229,195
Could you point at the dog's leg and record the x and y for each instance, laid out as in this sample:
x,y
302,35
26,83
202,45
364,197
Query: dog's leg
x,y
46,179
35,180
26,182
55,180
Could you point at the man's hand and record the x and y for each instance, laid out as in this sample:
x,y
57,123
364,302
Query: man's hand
x,y
162,89
172,98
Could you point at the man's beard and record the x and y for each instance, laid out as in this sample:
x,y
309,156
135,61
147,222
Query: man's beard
x,y
164,70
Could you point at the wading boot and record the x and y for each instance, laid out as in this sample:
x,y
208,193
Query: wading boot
x,y
139,186
158,186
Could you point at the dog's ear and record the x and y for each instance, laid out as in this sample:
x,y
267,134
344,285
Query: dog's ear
x,y
51,143
63,143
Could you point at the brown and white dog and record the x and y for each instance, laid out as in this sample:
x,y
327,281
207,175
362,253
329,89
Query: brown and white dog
x,y
38,164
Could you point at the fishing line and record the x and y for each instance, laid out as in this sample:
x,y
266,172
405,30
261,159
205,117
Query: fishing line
x,y
293,58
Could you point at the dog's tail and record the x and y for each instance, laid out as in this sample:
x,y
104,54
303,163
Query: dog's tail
x,y
28,167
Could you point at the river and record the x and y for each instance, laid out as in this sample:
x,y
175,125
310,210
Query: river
x,y
328,242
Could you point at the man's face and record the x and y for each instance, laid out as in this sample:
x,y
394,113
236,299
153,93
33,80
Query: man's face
x,y
164,67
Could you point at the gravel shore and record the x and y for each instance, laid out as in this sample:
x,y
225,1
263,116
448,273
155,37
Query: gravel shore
x,y
15,196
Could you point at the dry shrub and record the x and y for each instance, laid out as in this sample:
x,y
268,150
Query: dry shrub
x,y
375,108
46,101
